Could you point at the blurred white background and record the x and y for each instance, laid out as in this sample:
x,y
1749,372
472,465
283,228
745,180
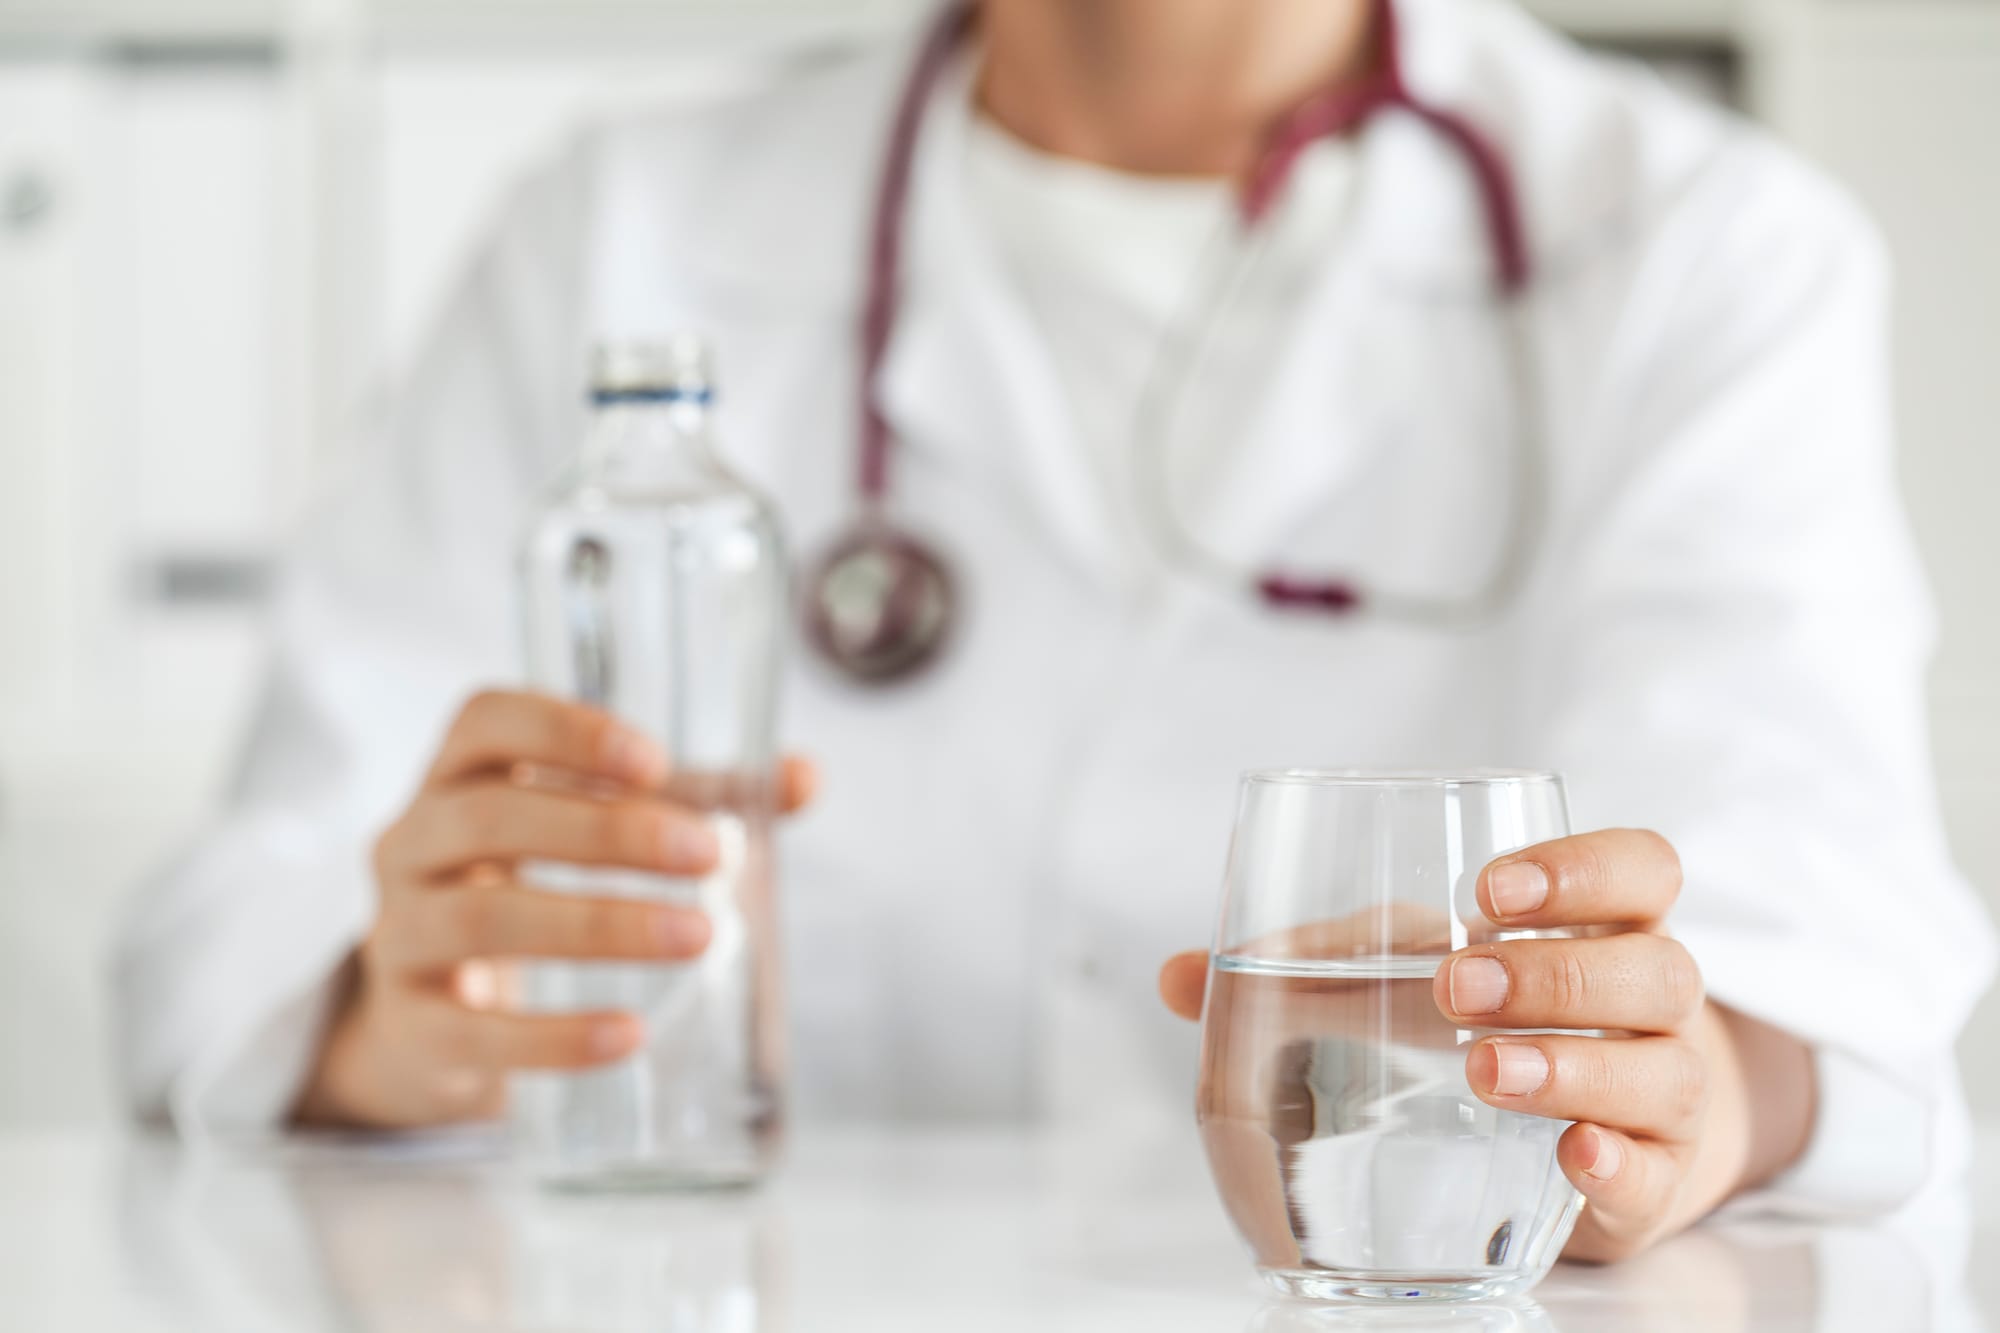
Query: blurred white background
x,y
221,220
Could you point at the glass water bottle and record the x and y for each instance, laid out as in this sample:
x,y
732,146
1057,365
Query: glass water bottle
x,y
654,587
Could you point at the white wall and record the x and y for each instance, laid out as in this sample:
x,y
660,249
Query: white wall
x,y
1902,99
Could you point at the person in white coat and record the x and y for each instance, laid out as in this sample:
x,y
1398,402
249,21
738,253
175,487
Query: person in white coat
x,y
1721,635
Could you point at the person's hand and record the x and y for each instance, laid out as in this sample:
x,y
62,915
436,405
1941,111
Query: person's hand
x,y
1689,1104
418,1037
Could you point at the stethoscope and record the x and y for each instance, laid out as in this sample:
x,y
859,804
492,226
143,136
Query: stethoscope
x,y
881,602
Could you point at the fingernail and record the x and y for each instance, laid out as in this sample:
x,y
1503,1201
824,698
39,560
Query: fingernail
x,y
1517,888
612,1037
681,933
1518,1068
1477,985
1610,1156
629,754
690,844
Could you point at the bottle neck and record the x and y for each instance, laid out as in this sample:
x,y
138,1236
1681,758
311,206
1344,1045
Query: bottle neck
x,y
651,437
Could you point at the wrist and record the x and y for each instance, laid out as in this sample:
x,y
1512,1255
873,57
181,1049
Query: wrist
x,y
1768,1076
320,1100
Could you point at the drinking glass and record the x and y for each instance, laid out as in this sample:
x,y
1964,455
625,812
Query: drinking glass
x,y
1347,1146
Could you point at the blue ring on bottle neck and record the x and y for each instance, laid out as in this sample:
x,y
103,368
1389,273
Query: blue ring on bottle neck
x,y
609,397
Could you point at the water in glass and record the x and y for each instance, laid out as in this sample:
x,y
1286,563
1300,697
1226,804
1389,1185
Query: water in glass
x,y
1345,1142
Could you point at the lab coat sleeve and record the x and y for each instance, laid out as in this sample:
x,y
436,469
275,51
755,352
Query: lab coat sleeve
x,y
1733,652
394,605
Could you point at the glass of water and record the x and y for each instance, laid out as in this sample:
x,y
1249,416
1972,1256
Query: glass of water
x,y
1346,1144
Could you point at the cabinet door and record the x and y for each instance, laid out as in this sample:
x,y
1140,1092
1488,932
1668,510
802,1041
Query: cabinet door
x,y
200,446
46,131
145,440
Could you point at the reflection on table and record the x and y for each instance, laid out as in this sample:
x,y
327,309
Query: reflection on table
x,y
889,1229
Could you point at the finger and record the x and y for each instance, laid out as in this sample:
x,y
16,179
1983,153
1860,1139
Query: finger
x,y
461,825
798,783
1183,982
498,729
496,1040
789,788
446,926
1655,1086
1616,877
1628,1186
1645,983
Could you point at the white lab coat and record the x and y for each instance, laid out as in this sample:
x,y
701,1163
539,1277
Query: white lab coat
x,y
1724,636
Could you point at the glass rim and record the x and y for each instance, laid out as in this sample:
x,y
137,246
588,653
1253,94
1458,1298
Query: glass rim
x,y
1401,777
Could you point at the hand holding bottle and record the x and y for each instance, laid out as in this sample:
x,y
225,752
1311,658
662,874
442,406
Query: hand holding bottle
x,y
420,1035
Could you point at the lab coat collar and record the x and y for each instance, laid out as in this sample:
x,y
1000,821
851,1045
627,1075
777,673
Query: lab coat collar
x,y
1424,226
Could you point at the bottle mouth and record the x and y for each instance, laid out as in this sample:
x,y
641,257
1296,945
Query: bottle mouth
x,y
679,368
600,396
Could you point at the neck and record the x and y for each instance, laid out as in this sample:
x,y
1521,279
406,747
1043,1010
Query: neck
x,y
1167,87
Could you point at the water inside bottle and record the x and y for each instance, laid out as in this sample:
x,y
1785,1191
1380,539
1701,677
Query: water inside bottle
x,y
654,589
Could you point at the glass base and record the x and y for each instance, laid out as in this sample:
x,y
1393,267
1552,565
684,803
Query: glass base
x,y
662,1177
1325,1284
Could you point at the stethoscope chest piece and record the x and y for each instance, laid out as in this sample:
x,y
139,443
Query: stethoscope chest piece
x,y
880,605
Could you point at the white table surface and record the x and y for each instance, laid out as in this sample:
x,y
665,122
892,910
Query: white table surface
x,y
874,1230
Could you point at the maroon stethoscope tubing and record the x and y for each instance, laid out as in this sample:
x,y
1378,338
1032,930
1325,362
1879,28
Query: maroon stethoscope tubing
x,y
1336,112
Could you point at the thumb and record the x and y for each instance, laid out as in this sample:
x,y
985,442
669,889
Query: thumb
x,y
1183,981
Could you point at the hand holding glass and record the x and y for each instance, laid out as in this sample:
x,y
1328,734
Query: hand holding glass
x,y
1346,1143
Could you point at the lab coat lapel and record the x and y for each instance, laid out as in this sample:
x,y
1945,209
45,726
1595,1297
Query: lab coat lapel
x,y
1302,425
967,377
1378,343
